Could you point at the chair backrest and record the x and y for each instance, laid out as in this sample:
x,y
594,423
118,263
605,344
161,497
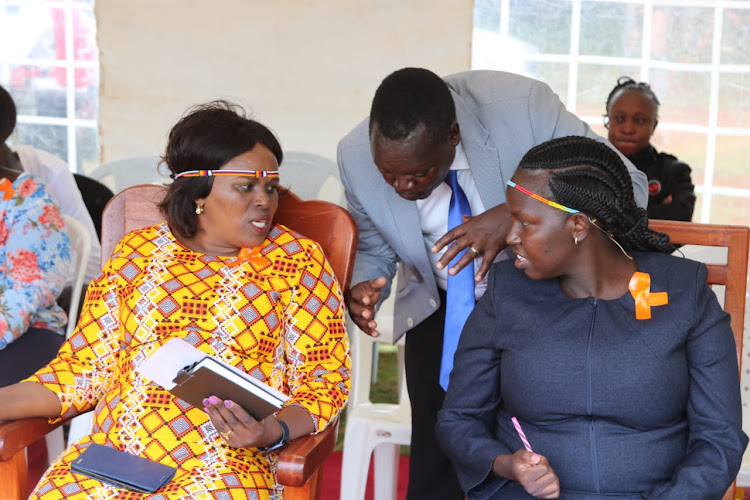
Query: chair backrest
x,y
95,196
80,239
732,274
312,177
328,224
125,172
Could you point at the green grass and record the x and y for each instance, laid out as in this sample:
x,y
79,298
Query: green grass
x,y
385,390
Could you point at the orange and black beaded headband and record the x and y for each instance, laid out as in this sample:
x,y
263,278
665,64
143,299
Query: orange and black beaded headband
x,y
272,174
542,198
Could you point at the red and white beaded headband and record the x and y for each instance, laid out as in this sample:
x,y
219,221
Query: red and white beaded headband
x,y
272,174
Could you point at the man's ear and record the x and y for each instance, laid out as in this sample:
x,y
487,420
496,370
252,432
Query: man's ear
x,y
454,135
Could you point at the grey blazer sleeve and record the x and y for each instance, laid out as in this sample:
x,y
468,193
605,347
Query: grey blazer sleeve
x,y
375,257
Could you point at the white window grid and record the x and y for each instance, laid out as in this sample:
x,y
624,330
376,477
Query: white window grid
x,y
712,130
70,121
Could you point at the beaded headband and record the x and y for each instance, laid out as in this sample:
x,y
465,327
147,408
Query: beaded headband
x,y
272,174
571,210
542,199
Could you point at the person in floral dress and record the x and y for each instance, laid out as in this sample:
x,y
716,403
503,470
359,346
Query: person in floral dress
x,y
35,259
219,274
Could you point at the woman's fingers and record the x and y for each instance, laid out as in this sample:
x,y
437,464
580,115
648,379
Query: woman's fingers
x,y
230,419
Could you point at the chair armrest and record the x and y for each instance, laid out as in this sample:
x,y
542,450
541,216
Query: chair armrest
x,y
305,455
15,435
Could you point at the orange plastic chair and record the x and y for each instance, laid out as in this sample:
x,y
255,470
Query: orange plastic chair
x,y
732,274
299,467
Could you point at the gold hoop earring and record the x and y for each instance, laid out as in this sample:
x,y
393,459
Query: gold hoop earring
x,y
198,209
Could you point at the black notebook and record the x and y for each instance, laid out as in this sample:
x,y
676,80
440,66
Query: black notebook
x,y
122,469
208,377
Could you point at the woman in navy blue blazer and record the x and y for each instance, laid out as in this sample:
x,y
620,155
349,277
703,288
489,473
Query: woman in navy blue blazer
x,y
614,356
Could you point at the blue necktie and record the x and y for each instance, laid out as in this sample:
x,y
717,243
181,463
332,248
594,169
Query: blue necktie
x,y
460,295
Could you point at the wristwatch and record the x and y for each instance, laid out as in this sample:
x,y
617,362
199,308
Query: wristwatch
x,y
283,441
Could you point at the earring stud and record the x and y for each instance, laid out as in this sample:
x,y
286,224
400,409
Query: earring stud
x,y
198,209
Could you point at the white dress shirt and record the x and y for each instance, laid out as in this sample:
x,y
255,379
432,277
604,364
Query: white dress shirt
x,y
433,217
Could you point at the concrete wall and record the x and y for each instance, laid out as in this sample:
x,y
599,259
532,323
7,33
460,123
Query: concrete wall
x,y
307,69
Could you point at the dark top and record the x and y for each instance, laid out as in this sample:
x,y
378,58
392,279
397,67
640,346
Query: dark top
x,y
666,176
620,407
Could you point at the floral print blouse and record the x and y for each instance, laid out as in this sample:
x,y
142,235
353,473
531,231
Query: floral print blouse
x,y
35,259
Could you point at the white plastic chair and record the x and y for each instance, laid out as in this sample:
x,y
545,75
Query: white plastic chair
x,y
312,177
80,239
374,428
125,172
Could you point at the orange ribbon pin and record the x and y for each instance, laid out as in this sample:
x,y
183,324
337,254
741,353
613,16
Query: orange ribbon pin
x,y
248,254
640,289
6,187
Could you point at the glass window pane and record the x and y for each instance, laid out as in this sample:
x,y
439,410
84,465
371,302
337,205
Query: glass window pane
x,y
732,162
491,51
688,147
37,91
87,97
598,127
543,24
734,100
87,146
51,138
26,31
684,96
56,35
735,37
611,29
553,74
682,34
730,210
84,34
595,82
487,15
698,208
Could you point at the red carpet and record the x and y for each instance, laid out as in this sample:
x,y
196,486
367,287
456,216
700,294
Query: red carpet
x,y
332,478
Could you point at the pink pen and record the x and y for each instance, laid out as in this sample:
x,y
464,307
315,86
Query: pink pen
x,y
521,434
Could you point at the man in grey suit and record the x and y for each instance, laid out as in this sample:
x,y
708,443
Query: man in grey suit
x,y
393,166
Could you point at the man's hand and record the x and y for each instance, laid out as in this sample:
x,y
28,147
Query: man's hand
x,y
483,234
530,469
361,302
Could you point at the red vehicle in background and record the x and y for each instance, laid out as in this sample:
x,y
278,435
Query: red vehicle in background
x,y
50,25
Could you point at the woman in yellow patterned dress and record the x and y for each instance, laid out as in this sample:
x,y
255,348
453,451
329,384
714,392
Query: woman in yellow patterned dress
x,y
221,276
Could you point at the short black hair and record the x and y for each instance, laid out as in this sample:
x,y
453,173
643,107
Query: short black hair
x,y
627,83
205,138
411,97
589,176
7,115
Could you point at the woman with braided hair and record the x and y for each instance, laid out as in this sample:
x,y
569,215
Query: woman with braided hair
x,y
614,356
631,119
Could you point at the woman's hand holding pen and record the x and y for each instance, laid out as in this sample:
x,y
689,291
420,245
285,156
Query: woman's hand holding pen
x,y
530,469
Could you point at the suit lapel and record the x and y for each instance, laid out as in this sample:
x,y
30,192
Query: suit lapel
x,y
406,219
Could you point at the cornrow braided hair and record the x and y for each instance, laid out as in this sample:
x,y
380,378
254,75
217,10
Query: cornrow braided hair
x,y
587,175
627,83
